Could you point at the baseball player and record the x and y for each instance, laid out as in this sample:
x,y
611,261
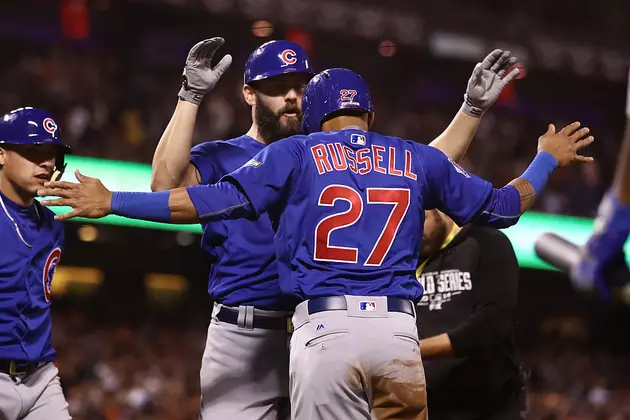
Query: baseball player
x,y
250,315
603,253
346,205
249,320
32,244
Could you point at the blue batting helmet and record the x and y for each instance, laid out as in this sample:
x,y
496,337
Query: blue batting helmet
x,y
330,91
274,58
32,126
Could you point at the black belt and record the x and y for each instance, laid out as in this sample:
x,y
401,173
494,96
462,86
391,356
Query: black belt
x,y
230,315
13,368
339,303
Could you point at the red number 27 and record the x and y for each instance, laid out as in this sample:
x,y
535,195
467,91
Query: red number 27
x,y
324,251
347,94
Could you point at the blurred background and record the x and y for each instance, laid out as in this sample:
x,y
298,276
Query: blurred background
x,y
131,310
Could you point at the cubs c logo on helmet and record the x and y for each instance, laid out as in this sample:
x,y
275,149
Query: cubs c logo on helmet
x,y
50,125
49,271
289,57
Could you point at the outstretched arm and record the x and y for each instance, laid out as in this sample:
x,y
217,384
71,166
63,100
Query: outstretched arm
x,y
485,85
89,198
554,149
247,192
467,198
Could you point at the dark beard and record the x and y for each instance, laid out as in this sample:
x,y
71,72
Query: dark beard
x,y
269,126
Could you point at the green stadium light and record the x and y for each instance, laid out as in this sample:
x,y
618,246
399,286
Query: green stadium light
x,y
128,176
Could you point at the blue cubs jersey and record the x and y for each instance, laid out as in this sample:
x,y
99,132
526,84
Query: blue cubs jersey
x,y
26,274
348,208
241,253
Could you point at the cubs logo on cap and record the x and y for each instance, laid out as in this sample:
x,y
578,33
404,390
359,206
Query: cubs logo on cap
x,y
50,125
274,58
289,57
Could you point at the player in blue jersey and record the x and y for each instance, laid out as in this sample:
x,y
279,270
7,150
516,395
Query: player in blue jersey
x,y
602,263
250,314
346,205
249,319
32,244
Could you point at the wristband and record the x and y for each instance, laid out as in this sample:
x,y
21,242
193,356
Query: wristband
x,y
151,206
469,109
540,170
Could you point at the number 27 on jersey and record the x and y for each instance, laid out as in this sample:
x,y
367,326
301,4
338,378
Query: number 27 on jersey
x,y
398,198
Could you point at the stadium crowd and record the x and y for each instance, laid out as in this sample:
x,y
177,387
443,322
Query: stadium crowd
x,y
147,368
116,109
115,98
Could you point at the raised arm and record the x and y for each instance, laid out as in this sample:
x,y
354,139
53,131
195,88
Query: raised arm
x,y
172,167
485,85
467,198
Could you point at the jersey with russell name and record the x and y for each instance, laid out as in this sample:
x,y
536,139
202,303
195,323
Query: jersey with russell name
x,y
241,253
348,208
26,273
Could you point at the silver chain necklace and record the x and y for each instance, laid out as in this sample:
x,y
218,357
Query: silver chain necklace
x,y
17,228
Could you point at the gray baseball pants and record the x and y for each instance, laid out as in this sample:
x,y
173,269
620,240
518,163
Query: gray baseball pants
x,y
359,363
37,396
245,370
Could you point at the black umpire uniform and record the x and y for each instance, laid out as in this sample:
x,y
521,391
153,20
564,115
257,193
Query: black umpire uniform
x,y
470,294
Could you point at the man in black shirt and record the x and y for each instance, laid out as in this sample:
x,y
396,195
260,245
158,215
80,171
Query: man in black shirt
x,y
465,322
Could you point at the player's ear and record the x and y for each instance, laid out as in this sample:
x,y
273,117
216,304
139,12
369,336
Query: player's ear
x,y
370,120
3,156
249,95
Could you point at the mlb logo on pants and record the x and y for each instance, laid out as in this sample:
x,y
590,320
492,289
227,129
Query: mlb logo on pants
x,y
367,305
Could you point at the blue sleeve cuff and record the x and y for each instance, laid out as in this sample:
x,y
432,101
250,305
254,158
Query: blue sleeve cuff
x,y
151,206
540,170
201,156
219,201
502,209
612,213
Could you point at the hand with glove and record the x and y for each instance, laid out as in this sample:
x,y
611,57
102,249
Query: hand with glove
x,y
488,80
199,76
